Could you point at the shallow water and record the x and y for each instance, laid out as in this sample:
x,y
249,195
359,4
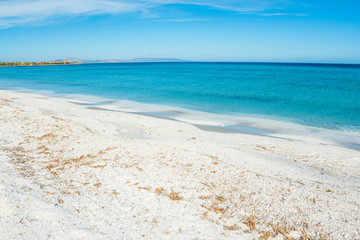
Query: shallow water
x,y
324,96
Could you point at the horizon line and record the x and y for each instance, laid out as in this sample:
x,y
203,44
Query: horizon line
x,y
193,61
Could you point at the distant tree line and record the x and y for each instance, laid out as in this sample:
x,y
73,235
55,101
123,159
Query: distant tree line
x,y
12,64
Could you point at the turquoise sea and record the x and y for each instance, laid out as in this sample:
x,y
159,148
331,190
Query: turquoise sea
x,y
317,95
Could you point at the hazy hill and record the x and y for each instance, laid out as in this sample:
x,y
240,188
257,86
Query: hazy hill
x,y
158,60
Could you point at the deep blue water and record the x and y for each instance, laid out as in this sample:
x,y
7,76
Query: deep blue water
x,y
320,95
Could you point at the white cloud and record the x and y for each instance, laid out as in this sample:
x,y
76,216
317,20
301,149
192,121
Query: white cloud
x,y
183,20
15,12
243,6
284,14
18,8
19,12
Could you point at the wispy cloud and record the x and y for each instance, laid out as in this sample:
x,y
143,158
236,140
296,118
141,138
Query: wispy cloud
x,y
241,6
14,12
182,20
19,12
284,14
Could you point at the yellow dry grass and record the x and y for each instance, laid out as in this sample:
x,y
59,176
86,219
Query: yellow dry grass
x,y
250,223
174,196
159,191
231,228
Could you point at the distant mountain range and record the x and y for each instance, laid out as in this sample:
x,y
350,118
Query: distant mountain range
x,y
78,60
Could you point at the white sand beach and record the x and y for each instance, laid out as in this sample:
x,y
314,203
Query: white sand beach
x,y
71,172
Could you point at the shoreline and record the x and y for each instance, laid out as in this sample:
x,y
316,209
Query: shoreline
x,y
30,64
246,124
70,170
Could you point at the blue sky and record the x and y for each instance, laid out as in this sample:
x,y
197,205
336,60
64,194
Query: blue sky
x,y
202,30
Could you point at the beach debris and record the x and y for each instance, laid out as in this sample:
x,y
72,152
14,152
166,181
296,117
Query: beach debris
x,y
220,210
159,191
60,201
5,100
220,198
280,230
175,196
49,135
205,197
250,223
231,228
262,147
305,236
144,188
264,235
